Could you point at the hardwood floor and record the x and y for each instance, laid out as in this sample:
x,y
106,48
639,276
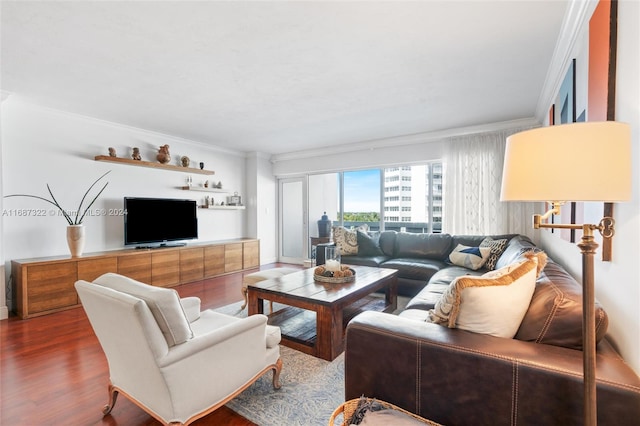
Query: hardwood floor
x,y
53,370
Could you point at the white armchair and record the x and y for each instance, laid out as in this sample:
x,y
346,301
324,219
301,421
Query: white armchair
x,y
175,362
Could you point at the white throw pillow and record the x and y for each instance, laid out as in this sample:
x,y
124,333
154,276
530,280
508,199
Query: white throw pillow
x,y
164,304
494,303
469,257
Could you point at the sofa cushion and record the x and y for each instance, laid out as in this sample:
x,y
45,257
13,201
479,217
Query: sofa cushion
x,y
346,240
164,304
374,261
469,257
429,246
388,242
415,269
493,303
426,299
554,316
369,244
497,247
514,251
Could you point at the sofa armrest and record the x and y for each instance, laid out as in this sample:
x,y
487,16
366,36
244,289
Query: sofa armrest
x,y
191,307
451,376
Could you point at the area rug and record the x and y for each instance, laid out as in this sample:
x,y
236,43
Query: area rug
x,y
312,388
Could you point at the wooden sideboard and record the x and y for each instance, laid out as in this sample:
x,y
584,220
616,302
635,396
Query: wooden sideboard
x,y
45,285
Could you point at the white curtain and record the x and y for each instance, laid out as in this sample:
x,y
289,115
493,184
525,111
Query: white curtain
x,y
471,194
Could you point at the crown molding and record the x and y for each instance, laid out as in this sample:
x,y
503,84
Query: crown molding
x,y
577,16
417,138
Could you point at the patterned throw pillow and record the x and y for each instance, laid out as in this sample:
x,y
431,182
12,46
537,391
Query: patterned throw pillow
x,y
494,303
347,239
497,247
469,257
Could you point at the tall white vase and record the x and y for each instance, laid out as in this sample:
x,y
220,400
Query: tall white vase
x,y
75,239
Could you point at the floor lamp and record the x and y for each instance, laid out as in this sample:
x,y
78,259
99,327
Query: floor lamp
x,y
573,162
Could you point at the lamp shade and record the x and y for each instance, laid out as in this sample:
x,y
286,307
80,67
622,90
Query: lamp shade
x,y
569,162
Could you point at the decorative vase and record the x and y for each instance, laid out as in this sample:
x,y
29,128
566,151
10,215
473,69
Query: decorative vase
x,y
324,226
75,239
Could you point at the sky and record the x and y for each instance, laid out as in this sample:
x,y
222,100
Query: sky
x,y
362,191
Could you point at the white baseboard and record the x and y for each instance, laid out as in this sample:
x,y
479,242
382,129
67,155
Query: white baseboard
x,y
4,312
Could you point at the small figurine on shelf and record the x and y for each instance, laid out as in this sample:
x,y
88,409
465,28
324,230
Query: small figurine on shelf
x,y
206,183
207,201
163,154
136,154
201,165
189,181
112,152
185,161
219,186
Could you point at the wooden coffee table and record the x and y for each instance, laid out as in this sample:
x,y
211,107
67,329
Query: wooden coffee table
x,y
317,313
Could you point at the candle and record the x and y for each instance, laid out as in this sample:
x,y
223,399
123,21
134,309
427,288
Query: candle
x,y
332,265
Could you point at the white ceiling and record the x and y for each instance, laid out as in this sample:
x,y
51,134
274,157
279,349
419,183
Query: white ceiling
x,y
279,77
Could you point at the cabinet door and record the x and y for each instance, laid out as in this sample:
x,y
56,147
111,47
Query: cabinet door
x,y
91,269
165,268
251,254
136,266
191,264
232,257
213,261
51,286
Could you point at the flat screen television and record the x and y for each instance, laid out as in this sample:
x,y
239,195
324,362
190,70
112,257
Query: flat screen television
x,y
159,222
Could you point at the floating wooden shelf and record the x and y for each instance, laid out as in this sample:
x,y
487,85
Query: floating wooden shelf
x,y
201,189
223,207
152,165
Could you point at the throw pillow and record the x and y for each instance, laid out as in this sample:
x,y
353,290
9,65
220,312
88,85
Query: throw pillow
x,y
494,303
497,247
369,244
164,304
469,257
347,239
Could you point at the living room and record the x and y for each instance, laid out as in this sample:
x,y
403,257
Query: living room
x,y
45,141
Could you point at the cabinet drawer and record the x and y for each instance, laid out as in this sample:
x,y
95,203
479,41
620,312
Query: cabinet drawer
x,y
91,269
232,257
251,255
136,266
165,268
213,261
51,286
191,264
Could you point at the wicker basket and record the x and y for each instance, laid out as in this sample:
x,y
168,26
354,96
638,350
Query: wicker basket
x,y
348,408
334,280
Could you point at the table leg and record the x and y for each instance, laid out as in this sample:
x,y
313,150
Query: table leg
x,y
256,304
391,294
330,335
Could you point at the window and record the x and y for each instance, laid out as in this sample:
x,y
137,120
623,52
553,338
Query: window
x,y
376,197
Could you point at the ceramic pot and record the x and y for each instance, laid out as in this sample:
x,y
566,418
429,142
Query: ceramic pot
x,y
75,239
324,226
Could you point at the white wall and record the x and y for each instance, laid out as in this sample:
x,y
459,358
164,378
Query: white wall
x,y
618,281
261,206
42,146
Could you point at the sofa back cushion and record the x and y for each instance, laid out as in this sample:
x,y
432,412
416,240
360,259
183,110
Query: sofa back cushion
x,y
164,304
388,242
430,246
554,316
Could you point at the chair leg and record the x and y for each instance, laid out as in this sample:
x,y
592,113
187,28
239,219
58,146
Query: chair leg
x,y
245,295
113,396
276,374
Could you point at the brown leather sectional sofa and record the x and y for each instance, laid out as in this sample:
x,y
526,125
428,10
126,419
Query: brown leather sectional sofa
x,y
456,377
